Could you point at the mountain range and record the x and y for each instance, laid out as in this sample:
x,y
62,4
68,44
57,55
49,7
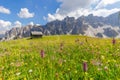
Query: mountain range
x,y
90,25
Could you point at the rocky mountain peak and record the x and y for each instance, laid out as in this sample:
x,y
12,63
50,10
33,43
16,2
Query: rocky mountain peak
x,y
86,25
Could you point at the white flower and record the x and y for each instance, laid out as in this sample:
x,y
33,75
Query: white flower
x,y
18,73
30,70
106,68
99,69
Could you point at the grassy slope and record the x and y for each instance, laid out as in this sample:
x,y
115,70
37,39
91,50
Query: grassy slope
x,y
21,59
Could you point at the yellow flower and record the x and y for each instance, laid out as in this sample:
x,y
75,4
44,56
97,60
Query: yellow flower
x,y
86,73
25,79
91,79
108,61
22,63
84,60
117,49
76,71
36,64
68,69
32,57
48,61
26,63
9,79
113,60
102,57
1,79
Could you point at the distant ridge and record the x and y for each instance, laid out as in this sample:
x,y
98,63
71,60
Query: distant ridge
x,y
85,25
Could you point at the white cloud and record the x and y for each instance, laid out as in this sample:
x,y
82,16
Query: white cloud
x,y
4,10
70,8
31,23
4,25
24,13
78,8
81,12
70,5
104,3
54,17
37,24
17,24
105,12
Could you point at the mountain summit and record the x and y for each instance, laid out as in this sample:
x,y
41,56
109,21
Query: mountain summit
x,y
85,25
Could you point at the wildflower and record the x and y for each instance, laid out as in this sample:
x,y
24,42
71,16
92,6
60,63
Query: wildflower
x,y
118,49
35,64
1,78
81,43
77,40
61,46
12,64
60,62
105,68
86,73
117,65
76,71
48,61
30,70
65,61
57,75
99,69
53,57
102,57
68,69
26,64
113,60
42,53
18,64
85,66
95,62
91,79
113,41
108,61
25,79
32,57
1,68
18,73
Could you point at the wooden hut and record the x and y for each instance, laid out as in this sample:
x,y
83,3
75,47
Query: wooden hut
x,y
36,34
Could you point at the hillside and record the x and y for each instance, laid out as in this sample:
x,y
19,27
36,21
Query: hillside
x,y
62,57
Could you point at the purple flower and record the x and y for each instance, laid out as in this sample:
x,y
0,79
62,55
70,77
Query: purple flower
x,y
42,53
85,66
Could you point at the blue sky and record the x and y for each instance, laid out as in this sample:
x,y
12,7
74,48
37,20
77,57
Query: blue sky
x,y
23,12
40,8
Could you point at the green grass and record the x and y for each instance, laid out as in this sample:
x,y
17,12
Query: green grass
x,y
21,60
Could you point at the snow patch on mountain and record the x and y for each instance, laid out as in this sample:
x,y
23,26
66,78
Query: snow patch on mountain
x,y
101,29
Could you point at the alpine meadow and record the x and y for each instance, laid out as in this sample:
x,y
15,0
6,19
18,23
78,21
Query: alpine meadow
x,y
59,39
69,57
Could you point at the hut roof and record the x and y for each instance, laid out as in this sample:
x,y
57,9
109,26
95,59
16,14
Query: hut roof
x,y
36,33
